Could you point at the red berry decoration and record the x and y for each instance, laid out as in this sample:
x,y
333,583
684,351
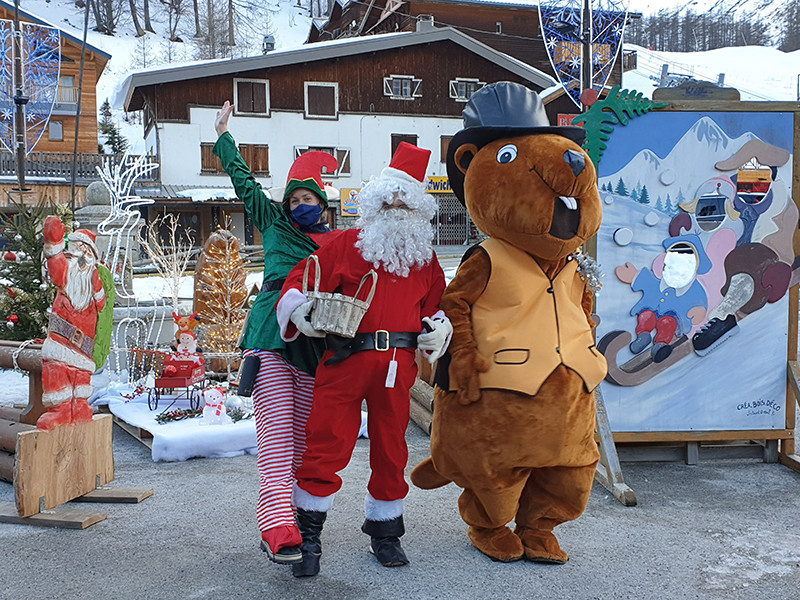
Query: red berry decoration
x,y
10,255
13,318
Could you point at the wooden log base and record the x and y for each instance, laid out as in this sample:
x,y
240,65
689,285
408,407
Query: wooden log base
x,y
116,495
54,467
62,516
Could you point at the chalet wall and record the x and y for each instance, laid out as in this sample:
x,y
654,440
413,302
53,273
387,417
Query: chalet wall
x,y
360,81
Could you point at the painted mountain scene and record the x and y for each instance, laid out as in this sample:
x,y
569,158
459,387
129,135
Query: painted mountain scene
x,y
696,247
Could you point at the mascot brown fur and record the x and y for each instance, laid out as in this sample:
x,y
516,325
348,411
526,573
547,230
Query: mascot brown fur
x,y
514,411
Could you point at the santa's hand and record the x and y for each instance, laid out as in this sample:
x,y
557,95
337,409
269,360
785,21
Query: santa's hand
x,y
223,114
435,340
54,230
626,273
300,319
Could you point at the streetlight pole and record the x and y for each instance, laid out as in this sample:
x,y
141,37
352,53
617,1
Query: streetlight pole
x,y
586,61
20,100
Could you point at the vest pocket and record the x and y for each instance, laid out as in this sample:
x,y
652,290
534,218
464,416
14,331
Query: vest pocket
x,y
512,356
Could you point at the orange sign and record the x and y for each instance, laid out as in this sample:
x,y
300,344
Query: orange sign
x,y
565,120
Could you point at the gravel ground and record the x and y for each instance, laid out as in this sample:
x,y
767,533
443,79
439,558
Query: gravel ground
x,y
719,529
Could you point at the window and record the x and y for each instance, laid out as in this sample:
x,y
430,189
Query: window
x,y
342,155
209,164
67,92
251,96
402,87
322,100
445,144
499,26
400,137
257,158
462,88
56,131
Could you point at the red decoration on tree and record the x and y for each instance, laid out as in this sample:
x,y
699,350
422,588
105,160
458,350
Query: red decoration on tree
x,y
13,318
11,292
10,255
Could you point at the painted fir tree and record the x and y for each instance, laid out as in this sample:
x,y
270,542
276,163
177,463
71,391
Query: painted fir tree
x,y
220,293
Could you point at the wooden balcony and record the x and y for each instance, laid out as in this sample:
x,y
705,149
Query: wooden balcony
x,y
55,167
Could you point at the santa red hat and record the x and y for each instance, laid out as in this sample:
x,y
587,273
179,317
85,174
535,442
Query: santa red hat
x,y
306,172
87,237
409,164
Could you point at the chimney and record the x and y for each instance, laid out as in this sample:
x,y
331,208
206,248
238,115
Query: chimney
x,y
425,23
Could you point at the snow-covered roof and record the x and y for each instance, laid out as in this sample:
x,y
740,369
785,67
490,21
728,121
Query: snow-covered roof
x,y
36,19
324,51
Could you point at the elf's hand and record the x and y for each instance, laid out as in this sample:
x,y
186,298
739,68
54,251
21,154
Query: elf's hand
x,y
434,342
301,320
223,114
465,365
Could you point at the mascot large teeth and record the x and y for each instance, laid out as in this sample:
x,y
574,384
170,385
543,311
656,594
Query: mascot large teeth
x,y
514,411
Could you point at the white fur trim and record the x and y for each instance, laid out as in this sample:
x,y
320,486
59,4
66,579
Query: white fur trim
x,y
284,309
56,398
53,350
79,236
382,510
51,250
83,391
99,295
392,173
306,501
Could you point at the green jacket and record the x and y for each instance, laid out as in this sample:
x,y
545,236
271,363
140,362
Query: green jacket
x,y
284,247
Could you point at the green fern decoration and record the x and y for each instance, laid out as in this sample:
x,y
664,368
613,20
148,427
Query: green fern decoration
x,y
617,108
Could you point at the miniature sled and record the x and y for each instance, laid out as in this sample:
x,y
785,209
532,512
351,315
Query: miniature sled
x,y
641,367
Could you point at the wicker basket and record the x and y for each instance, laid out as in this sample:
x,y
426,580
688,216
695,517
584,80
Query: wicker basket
x,y
334,313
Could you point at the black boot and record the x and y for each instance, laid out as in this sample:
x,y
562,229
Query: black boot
x,y
385,541
309,522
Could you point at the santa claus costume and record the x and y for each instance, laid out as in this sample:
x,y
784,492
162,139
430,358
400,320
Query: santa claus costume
x,y
378,364
282,391
68,351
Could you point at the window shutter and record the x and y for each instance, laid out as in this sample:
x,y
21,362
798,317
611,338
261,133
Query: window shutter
x,y
343,156
454,88
248,154
387,87
244,98
445,144
208,162
417,87
321,100
261,159
259,97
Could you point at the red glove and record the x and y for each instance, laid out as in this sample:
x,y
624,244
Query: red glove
x,y
54,230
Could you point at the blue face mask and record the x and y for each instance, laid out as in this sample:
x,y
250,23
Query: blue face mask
x,y
307,215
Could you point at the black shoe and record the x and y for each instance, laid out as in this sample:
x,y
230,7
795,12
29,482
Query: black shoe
x,y
309,523
714,333
661,352
385,541
286,555
388,551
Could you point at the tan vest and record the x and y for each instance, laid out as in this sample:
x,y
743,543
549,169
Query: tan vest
x,y
527,325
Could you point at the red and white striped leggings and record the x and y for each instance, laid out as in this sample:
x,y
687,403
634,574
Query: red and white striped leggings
x,y
282,398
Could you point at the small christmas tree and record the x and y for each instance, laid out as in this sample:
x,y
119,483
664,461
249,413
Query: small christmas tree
x,y
220,293
114,139
27,293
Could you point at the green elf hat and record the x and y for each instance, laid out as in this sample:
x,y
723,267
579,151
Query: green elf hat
x,y
306,172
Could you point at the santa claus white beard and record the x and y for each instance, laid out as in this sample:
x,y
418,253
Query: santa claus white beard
x,y
79,288
398,239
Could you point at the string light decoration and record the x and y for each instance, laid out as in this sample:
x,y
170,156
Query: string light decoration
x,y
220,294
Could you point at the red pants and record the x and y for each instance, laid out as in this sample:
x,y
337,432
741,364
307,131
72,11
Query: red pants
x,y
62,382
665,326
282,400
335,419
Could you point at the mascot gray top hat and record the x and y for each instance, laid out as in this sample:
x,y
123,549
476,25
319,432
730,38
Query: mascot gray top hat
x,y
499,110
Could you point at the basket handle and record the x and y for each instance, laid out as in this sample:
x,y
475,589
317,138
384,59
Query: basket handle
x,y
312,258
374,276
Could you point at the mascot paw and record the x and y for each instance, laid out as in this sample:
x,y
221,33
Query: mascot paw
x,y
464,370
426,477
500,543
541,546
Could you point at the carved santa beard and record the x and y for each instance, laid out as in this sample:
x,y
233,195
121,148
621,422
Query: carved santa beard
x,y
79,288
399,239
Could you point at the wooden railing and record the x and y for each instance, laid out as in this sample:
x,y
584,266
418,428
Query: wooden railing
x,y
59,165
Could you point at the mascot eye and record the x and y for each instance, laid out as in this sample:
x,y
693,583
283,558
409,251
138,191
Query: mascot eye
x,y
507,154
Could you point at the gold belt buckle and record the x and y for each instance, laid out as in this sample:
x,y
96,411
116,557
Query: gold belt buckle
x,y
77,337
378,346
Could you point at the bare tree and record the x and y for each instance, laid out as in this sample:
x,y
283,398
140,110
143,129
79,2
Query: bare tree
x,y
147,25
197,31
170,253
135,18
175,9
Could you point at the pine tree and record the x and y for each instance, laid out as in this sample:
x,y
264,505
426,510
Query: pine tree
x,y
621,189
27,293
644,197
115,141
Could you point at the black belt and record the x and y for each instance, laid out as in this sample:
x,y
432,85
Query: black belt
x,y
272,285
380,340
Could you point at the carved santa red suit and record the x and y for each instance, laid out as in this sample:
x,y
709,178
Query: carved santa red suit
x,y
67,353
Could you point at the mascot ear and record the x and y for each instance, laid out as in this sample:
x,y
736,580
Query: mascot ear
x,y
464,155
